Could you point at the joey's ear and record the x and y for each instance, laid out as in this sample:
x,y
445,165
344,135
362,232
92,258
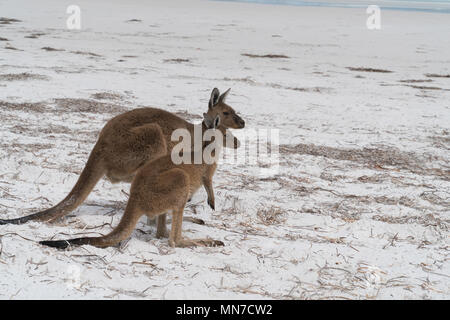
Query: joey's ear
x,y
216,122
215,94
210,123
224,95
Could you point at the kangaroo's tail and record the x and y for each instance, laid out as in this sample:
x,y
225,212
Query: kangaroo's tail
x,y
92,172
121,232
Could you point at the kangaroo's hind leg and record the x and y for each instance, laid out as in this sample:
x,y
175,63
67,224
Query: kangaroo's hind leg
x,y
161,230
176,240
178,196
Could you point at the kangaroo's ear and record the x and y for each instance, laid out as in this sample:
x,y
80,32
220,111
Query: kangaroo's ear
x,y
216,122
224,95
215,94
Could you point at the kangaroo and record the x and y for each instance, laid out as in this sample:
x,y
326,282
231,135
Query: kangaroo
x,y
161,187
125,144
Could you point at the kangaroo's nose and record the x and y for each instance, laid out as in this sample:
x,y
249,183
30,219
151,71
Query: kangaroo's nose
x,y
239,121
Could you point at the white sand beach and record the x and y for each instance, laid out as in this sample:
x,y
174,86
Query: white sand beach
x,y
360,206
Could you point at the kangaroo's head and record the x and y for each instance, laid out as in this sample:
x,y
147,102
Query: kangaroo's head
x,y
218,107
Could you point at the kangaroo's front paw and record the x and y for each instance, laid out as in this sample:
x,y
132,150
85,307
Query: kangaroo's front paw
x,y
211,204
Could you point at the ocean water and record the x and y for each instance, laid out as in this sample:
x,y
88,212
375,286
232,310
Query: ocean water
x,y
437,6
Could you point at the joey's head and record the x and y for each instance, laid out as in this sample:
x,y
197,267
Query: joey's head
x,y
218,107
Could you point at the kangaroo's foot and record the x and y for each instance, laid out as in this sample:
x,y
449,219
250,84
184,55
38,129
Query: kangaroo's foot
x,y
191,219
185,243
194,220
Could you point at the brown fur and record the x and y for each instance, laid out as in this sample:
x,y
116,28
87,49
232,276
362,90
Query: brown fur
x,y
159,187
125,144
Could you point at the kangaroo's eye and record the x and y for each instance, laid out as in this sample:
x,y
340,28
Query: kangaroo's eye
x,y
226,113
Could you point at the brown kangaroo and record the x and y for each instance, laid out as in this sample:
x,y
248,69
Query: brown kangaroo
x,y
161,187
125,144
